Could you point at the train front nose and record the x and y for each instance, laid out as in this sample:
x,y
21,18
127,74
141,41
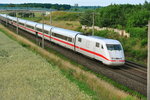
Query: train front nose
x,y
115,62
116,55
116,58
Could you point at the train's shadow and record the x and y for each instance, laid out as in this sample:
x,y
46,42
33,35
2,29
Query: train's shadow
x,y
119,67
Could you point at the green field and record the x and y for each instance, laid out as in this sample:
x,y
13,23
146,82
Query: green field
x,y
25,75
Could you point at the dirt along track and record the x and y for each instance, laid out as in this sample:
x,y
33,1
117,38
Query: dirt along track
x,y
130,76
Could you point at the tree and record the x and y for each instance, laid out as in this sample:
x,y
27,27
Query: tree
x,y
139,18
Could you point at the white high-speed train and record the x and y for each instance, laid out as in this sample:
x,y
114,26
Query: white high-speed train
x,y
108,51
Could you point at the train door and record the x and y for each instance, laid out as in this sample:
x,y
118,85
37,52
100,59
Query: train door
x,y
36,35
50,34
79,43
99,49
89,47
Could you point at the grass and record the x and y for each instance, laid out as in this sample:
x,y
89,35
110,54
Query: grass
x,y
66,21
84,77
26,75
72,25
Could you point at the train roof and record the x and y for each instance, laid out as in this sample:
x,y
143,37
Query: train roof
x,y
31,23
96,37
65,32
46,27
22,20
100,39
106,40
9,17
12,18
3,15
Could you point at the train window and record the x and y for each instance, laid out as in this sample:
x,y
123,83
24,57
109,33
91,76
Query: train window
x,y
113,46
45,31
53,34
21,23
30,26
38,29
79,39
97,44
69,39
60,36
63,37
102,47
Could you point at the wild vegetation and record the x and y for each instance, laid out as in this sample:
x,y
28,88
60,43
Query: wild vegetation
x,y
65,16
67,20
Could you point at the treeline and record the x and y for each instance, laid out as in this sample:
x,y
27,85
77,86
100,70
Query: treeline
x,y
40,5
119,16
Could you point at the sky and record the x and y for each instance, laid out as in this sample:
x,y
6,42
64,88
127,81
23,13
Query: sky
x,y
79,2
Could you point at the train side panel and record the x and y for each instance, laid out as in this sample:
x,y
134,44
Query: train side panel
x,y
85,46
100,51
63,40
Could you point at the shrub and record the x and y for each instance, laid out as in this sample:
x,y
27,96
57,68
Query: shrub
x,y
144,42
133,42
66,16
137,32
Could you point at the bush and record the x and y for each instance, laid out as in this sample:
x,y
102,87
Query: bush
x,y
137,32
66,16
144,42
107,34
139,54
103,33
133,42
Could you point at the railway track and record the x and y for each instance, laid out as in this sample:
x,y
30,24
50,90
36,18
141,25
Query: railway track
x,y
136,66
137,70
132,75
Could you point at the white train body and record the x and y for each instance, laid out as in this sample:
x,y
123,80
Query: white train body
x,y
108,51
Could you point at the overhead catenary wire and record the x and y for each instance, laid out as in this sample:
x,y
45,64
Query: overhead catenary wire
x,y
93,20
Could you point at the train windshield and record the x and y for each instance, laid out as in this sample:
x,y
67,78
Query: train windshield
x,y
113,46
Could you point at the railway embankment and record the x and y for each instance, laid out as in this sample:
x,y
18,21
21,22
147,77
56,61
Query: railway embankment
x,y
102,89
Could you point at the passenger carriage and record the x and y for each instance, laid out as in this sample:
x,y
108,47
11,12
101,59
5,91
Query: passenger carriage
x,y
64,37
